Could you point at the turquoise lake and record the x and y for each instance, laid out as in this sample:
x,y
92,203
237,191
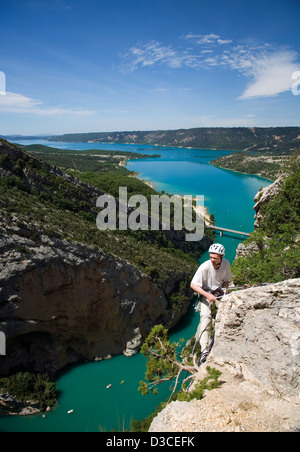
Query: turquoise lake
x,y
83,388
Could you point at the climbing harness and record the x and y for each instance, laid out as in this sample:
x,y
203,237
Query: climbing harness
x,y
231,289
218,293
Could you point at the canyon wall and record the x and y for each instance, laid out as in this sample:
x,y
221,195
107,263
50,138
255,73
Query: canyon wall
x,y
69,302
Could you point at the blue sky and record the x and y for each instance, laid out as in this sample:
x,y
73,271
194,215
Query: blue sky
x,y
112,65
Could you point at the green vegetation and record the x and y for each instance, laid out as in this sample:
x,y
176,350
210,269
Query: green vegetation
x,y
277,238
168,362
101,169
93,160
30,387
162,357
264,165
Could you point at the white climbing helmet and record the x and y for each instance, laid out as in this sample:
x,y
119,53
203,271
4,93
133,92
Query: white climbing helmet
x,y
217,248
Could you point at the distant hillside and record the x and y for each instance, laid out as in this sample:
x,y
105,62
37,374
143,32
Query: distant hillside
x,y
263,165
263,139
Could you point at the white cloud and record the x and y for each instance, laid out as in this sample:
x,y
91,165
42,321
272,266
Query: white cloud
x,y
153,52
211,38
271,75
149,54
204,39
224,41
268,68
17,103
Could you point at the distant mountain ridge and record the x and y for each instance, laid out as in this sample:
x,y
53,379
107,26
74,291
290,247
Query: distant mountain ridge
x,y
260,139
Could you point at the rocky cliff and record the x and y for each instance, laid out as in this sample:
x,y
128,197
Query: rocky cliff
x,y
257,349
68,302
67,290
264,196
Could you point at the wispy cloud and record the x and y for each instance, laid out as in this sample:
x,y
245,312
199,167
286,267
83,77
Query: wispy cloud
x,y
207,39
145,55
17,103
271,74
267,68
153,52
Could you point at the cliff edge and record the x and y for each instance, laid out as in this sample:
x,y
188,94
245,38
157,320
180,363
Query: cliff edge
x,y
257,349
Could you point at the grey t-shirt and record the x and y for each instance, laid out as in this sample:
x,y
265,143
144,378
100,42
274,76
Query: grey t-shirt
x,y
210,279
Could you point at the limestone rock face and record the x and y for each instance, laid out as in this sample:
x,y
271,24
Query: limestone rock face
x,y
257,349
258,334
69,302
244,250
264,196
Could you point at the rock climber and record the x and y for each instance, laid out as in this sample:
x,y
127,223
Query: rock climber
x,y
210,281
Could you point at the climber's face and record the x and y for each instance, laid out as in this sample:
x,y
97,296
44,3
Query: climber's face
x,y
216,260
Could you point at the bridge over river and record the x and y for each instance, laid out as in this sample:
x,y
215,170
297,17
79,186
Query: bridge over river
x,y
218,228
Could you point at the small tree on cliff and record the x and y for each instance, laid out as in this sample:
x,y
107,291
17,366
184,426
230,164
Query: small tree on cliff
x,y
166,364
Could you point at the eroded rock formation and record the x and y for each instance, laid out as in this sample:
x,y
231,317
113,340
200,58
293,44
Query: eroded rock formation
x,y
264,196
69,302
257,349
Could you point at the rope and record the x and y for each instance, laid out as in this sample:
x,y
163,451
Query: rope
x,y
249,286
